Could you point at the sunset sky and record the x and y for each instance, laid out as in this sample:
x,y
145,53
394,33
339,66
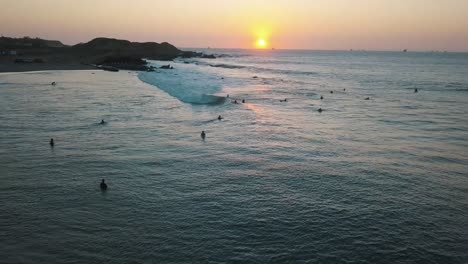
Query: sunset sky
x,y
288,24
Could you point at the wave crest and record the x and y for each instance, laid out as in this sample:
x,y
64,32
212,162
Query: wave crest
x,y
188,87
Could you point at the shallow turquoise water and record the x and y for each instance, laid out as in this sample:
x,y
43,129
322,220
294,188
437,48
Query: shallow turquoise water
x,y
377,181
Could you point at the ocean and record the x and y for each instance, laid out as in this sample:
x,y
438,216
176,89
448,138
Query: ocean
x,y
382,180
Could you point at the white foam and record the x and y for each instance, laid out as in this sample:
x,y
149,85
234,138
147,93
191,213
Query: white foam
x,y
185,82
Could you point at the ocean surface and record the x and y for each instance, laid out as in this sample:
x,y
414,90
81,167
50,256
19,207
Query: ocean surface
x,y
383,180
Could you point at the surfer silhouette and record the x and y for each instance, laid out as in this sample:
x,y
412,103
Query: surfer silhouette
x,y
103,185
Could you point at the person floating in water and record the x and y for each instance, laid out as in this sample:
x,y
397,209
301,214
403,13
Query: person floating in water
x,y
235,101
321,97
53,83
102,122
344,89
220,117
203,135
367,98
416,90
51,142
243,101
285,100
320,110
331,91
103,185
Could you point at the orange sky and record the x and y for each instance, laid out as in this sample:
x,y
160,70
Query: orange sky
x,y
291,24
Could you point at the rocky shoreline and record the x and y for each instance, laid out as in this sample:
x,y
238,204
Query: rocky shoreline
x,y
27,54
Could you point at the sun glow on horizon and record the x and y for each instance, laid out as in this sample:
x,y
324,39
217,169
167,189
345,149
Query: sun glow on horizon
x,y
261,34
283,24
261,43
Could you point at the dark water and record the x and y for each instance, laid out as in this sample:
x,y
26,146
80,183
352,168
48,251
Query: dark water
x,y
383,180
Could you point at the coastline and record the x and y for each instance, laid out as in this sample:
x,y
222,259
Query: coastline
x,y
26,54
10,66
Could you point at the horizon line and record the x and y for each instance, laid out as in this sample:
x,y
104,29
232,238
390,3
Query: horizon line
x,y
349,50
265,49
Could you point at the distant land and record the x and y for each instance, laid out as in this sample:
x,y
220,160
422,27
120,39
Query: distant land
x,y
35,54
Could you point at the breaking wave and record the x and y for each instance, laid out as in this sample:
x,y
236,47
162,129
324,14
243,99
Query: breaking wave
x,y
187,85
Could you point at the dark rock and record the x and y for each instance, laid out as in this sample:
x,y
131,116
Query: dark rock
x,y
190,54
168,67
194,54
208,56
117,47
123,63
110,60
29,43
108,68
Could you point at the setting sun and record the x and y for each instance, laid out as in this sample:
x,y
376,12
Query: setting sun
x,y
252,129
261,43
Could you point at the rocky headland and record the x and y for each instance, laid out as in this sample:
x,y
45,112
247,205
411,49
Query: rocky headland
x,y
33,54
